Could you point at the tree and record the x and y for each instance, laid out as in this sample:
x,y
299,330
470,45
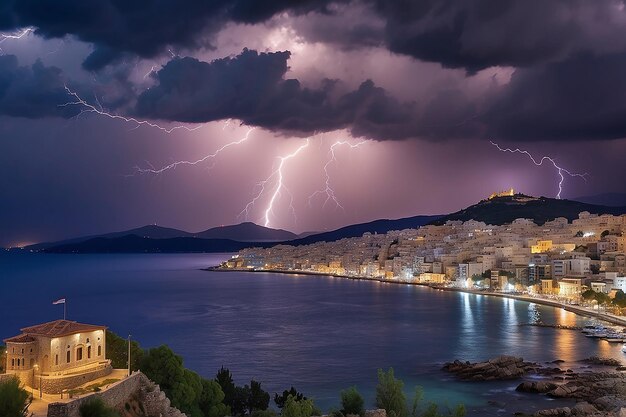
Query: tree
x,y
182,386
595,269
579,234
390,395
225,379
588,295
282,399
352,402
620,299
96,408
241,398
117,351
212,400
297,408
602,298
258,399
14,401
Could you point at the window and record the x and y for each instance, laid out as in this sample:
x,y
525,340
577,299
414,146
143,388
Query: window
x,y
87,340
99,350
67,357
56,359
12,363
22,351
18,363
88,352
79,354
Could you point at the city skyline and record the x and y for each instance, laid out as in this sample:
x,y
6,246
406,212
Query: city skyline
x,y
302,118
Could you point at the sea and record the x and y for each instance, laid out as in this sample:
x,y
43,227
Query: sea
x,y
319,334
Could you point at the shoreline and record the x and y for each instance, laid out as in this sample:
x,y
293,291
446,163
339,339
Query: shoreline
x,y
579,310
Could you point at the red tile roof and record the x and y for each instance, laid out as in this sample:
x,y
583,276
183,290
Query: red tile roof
x,y
59,328
22,338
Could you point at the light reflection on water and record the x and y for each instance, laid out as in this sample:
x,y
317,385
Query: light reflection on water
x,y
320,334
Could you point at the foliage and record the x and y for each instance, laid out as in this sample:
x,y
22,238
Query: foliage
x,y
14,401
264,413
258,399
225,379
117,351
298,408
96,408
211,400
282,399
352,402
487,274
579,234
432,409
3,358
588,295
390,395
182,386
595,269
620,299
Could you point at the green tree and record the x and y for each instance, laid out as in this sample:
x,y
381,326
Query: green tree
x,y
579,234
280,400
212,400
352,402
182,386
595,269
14,401
225,379
239,406
117,351
588,295
390,394
258,399
602,298
96,408
620,299
297,408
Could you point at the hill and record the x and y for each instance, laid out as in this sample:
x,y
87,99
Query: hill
x,y
244,232
605,199
137,244
501,210
356,230
247,232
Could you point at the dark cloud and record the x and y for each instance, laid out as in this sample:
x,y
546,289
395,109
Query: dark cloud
x,y
252,87
581,98
31,92
144,28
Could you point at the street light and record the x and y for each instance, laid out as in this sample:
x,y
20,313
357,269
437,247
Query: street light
x,y
129,354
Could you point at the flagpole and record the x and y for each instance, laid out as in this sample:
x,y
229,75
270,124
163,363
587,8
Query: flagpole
x,y
64,309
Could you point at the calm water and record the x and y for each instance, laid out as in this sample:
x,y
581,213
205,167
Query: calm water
x,y
320,334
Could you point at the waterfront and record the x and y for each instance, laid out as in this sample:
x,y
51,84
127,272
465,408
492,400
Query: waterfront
x,y
321,334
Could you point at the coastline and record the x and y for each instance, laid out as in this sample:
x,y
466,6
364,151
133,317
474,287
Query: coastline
x,y
579,310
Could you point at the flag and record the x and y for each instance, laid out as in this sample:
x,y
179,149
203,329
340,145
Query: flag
x,y
59,301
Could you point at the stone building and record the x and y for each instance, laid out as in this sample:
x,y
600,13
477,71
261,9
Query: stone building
x,y
58,355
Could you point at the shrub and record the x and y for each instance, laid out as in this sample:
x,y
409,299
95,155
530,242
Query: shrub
x,y
96,408
14,401
295,408
352,402
390,395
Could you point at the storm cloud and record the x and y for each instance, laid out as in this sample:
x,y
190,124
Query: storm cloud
x,y
31,91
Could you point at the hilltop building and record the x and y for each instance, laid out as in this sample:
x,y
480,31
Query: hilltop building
x,y
507,193
58,355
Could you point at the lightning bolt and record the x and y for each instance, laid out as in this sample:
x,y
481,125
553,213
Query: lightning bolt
x,y
328,190
15,35
560,170
89,108
173,165
279,187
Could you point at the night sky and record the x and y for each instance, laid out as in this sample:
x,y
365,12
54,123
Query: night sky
x,y
118,113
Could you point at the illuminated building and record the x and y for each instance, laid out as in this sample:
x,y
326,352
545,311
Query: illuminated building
x,y
58,355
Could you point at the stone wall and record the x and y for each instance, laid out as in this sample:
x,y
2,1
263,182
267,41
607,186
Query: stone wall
x,y
137,386
56,384
6,377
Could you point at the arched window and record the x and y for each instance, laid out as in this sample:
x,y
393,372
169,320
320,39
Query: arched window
x,y
99,350
12,363
67,357
79,354
18,363
56,359
88,352
87,340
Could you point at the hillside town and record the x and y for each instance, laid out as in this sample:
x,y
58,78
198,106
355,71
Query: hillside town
x,y
558,259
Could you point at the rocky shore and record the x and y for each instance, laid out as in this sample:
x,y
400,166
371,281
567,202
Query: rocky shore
x,y
597,392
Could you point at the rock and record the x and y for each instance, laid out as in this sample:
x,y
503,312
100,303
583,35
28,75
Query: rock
x,y
376,413
596,360
558,361
584,408
500,368
539,387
